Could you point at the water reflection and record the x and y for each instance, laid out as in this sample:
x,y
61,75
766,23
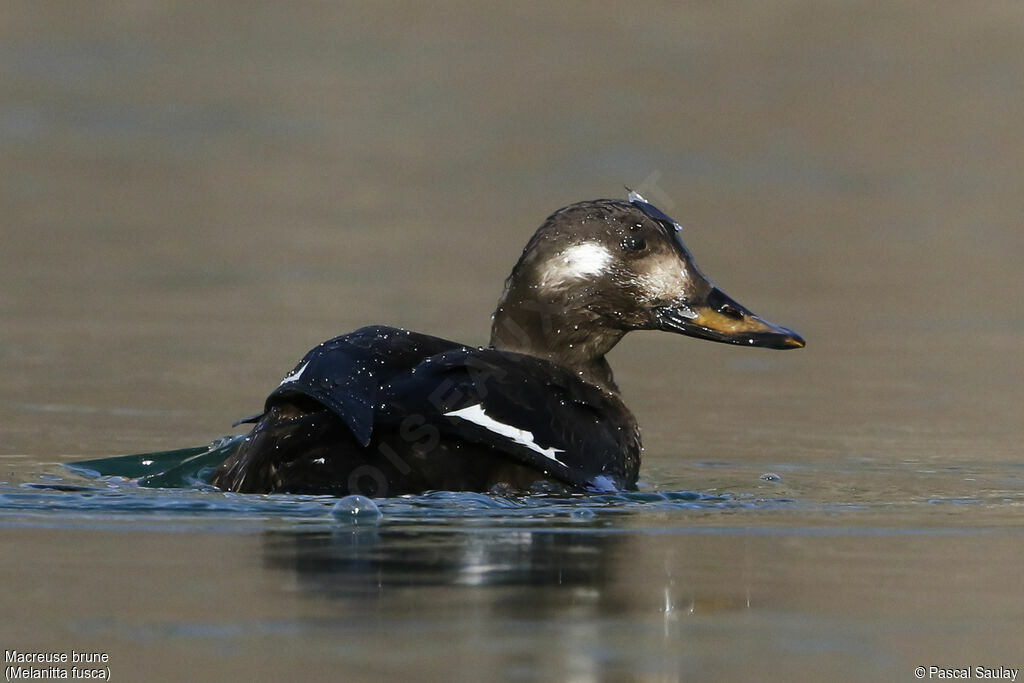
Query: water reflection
x,y
594,602
344,563
580,604
604,572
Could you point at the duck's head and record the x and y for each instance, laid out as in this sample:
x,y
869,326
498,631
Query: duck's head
x,y
596,270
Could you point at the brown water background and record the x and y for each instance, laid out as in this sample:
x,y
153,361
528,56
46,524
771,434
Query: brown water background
x,y
193,194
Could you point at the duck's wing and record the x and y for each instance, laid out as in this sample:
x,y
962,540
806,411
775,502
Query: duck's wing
x,y
533,411
345,374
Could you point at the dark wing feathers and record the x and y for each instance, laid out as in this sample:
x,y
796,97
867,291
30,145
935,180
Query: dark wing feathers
x,y
382,376
572,430
346,373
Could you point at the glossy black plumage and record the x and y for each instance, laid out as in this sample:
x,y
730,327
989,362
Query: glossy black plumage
x,y
368,412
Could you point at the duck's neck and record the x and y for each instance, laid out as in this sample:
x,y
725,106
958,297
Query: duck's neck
x,y
556,330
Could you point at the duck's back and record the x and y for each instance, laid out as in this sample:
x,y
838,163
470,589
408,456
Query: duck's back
x,y
383,411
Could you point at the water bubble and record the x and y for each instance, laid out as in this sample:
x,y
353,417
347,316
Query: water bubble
x,y
356,510
582,514
770,476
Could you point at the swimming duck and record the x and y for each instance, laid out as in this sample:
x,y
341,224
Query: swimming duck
x,y
384,411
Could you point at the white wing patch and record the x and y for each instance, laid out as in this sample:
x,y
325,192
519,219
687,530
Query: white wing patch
x,y
295,375
578,262
477,416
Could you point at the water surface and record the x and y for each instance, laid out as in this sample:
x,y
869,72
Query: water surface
x,y
195,195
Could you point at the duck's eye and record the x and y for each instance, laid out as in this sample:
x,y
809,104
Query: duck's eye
x,y
730,312
634,243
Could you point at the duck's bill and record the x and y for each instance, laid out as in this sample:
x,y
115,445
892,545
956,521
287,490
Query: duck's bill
x,y
719,318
